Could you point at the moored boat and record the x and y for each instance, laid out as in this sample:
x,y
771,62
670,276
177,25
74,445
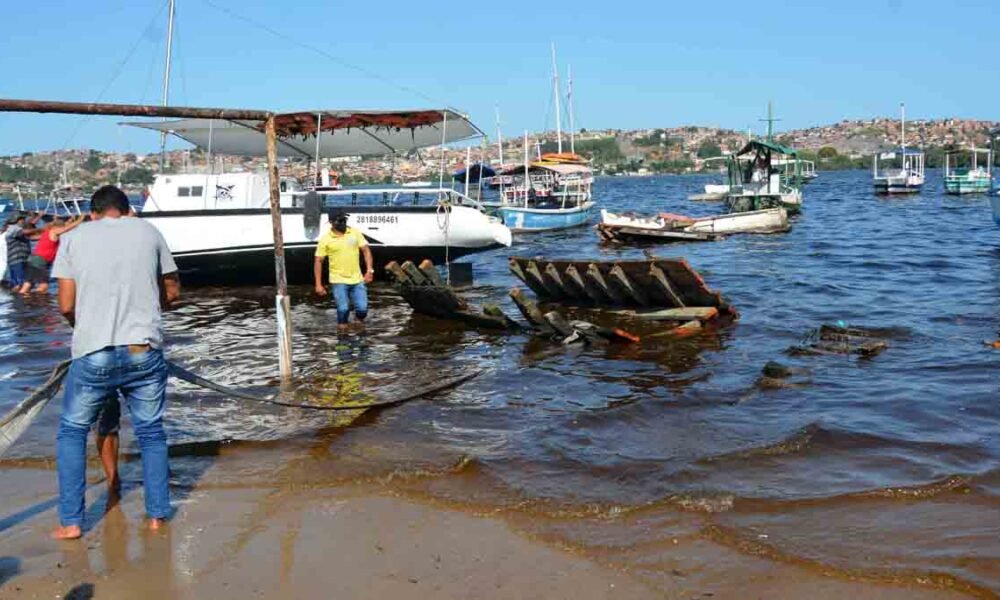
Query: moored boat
x,y
218,226
756,184
973,178
908,176
669,227
553,192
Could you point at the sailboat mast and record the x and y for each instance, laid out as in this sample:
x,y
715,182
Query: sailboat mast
x,y
569,101
555,85
499,137
166,78
902,128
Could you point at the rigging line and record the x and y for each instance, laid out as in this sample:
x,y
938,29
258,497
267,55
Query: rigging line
x,y
149,72
320,51
118,71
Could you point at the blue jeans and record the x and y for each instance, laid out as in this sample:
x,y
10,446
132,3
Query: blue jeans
x,y
15,273
92,381
346,294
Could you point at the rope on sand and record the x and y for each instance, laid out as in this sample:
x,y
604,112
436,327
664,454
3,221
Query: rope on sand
x,y
444,384
14,423
17,421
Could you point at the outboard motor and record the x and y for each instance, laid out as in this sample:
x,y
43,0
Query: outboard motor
x,y
312,212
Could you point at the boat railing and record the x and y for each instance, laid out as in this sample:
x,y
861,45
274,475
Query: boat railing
x,y
396,196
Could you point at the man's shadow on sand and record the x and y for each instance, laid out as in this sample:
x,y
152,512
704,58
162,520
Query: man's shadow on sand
x,y
9,567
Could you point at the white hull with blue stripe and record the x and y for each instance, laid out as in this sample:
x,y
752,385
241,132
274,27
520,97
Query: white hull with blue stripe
x,y
522,219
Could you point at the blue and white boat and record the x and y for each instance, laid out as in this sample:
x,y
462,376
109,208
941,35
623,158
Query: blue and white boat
x,y
546,195
553,192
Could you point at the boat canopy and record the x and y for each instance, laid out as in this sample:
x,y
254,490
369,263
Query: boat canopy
x,y
754,146
341,132
562,169
476,171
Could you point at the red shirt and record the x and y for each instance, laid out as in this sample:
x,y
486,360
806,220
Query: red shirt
x,y
47,248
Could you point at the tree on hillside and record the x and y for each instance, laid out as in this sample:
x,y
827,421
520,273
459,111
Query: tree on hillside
x,y
708,149
827,152
137,175
93,162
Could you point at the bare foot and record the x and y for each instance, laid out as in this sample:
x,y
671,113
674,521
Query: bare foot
x,y
156,524
67,532
342,327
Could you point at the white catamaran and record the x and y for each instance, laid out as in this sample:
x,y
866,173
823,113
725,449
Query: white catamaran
x,y
218,225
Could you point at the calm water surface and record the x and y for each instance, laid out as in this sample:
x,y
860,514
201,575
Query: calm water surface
x,y
887,469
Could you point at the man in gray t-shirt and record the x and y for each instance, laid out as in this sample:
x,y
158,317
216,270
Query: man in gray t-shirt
x,y
115,274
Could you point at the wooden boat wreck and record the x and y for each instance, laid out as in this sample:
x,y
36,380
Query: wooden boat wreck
x,y
664,291
656,282
667,227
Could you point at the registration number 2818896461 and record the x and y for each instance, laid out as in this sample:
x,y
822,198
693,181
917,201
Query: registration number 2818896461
x,y
376,219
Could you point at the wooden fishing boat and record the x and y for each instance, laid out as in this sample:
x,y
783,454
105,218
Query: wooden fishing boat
x,y
756,184
671,227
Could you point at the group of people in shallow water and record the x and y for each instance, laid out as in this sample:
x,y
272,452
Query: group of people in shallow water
x,y
115,275
27,267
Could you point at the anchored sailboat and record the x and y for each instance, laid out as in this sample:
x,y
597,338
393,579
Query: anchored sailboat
x,y
552,192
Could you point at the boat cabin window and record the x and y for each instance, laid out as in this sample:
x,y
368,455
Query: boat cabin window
x,y
284,186
192,191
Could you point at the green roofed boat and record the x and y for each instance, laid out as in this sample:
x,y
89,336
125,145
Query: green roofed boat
x,y
972,178
755,183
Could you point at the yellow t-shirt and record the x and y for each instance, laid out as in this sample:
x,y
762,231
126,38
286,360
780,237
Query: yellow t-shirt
x,y
343,252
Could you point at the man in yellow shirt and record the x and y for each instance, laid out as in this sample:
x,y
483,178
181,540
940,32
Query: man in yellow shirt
x,y
342,245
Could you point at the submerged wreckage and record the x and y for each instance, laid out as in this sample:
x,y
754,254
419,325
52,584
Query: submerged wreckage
x,y
665,290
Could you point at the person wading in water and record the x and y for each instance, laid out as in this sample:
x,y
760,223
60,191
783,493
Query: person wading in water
x,y
46,248
115,274
343,245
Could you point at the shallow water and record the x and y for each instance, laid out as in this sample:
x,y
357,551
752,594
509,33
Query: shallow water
x,y
887,469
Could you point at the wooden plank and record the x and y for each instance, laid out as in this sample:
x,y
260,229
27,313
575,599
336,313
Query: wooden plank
x,y
566,289
573,275
685,330
660,278
559,324
594,275
535,274
689,313
414,274
397,272
515,267
437,301
495,311
529,310
619,277
429,271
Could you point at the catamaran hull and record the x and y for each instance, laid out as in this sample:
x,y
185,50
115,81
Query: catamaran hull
x,y
898,185
791,202
543,219
235,247
966,185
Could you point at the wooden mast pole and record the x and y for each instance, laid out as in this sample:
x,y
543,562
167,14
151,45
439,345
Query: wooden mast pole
x,y
282,302
133,110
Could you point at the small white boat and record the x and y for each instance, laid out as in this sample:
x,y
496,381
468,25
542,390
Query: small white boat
x,y
908,177
417,184
670,226
973,178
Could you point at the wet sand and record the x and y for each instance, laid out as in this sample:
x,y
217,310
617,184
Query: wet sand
x,y
351,542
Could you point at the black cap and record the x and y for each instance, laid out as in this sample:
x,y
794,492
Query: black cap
x,y
337,215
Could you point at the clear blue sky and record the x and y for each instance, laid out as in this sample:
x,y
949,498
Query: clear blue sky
x,y
635,64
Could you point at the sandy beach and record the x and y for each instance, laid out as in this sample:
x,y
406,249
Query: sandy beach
x,y
351,541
